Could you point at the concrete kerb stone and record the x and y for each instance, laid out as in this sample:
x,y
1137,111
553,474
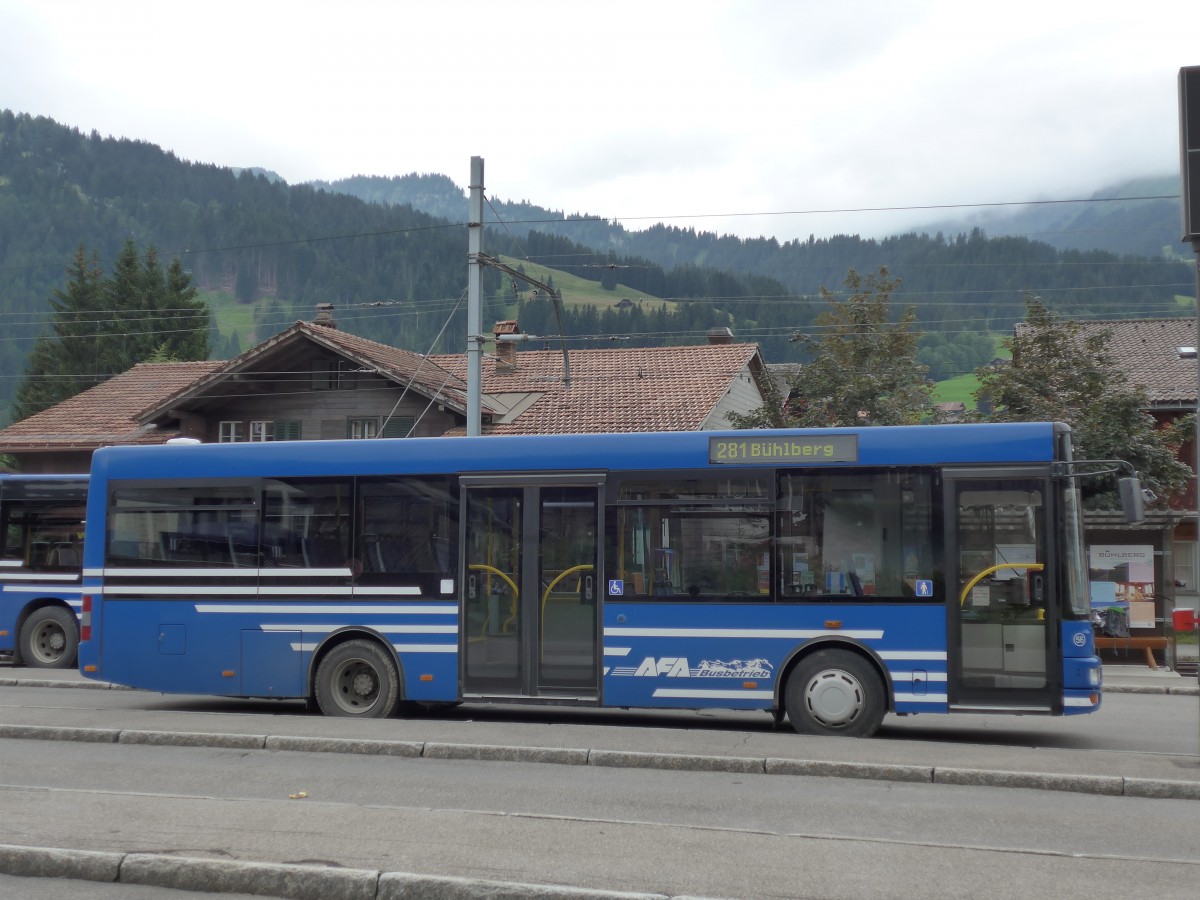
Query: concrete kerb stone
x,y
563,756
286,880
52,862
50,683
871,771
1185,690
402,886
1162,789
60,733
194,739
1112,785
294,882
627,759
410,749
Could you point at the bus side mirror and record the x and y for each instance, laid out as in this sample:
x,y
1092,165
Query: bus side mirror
x,y
1133,499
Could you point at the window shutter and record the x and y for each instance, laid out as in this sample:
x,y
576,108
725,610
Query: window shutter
x,y
398,426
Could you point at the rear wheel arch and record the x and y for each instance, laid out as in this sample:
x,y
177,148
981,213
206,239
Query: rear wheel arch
x,y
370,651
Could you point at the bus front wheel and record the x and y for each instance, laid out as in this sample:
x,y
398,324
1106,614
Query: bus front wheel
x,y
49,639
834,692
358,678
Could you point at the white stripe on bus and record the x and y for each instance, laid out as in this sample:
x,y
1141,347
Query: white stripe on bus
x,y
920,698
63,589
685,694
292,609
741,633
913,655
925,676
617,651
231,572
385,629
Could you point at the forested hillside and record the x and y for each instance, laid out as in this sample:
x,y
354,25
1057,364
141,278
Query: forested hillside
x,y
393,274
396,274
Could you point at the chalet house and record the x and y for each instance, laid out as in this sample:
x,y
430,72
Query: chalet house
x,y
315,382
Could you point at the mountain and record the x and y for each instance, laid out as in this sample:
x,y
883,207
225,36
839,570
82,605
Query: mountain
x,y
392,259
271,251
1130,227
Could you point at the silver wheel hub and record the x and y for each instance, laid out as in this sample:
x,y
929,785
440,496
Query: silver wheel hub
x,y
834,697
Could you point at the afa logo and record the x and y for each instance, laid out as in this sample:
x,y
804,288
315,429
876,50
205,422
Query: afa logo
x,y
678,667
670,666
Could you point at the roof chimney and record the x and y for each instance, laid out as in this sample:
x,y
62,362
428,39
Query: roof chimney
x,y
506,351
325,316
720,335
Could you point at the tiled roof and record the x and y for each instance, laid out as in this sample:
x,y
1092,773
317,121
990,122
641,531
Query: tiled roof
x,y
403,366
109,413
613,390
1147,350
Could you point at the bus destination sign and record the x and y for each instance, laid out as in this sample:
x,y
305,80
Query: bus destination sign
x,y
788,450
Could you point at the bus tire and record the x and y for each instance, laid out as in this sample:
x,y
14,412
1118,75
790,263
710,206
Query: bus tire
x,y
49,639
358,678
835,692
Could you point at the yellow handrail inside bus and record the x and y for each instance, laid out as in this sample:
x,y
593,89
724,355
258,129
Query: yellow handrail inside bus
x,y
1035,567
563,574
484,567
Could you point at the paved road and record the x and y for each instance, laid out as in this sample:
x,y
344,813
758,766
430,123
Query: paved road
x,y
1141,744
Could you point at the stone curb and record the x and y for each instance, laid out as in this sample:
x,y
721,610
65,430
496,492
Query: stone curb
x,y
1185,690
1110,785
7,681
286,880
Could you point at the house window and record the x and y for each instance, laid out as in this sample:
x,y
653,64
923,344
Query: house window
x,y
398,426
363,428
333,374
231,432
264,430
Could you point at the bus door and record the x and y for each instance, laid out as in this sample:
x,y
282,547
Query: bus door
x,y
1002,612
530,592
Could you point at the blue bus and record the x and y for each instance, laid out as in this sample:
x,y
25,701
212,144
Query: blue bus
x,y
41,562
829,576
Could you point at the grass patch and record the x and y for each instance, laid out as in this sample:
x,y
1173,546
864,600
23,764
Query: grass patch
x,y
957,390
578,291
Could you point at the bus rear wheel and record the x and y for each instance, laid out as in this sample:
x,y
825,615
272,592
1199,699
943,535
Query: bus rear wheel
x,y
358,678
835,692
49,639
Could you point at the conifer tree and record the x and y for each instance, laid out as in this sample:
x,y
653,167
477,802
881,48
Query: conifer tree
x,y
101,326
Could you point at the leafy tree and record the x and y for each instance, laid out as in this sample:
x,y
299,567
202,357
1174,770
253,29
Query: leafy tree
x,y
863,368
1060,374
104,326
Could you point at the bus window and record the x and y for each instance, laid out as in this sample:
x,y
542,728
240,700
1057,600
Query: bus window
x,y
856,534
695,538
404,528
200,526
308,523
42,535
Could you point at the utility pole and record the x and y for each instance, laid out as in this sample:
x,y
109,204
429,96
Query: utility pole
x,y
475,300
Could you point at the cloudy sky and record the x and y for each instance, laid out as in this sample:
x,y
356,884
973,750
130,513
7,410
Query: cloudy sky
x,y
639,111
